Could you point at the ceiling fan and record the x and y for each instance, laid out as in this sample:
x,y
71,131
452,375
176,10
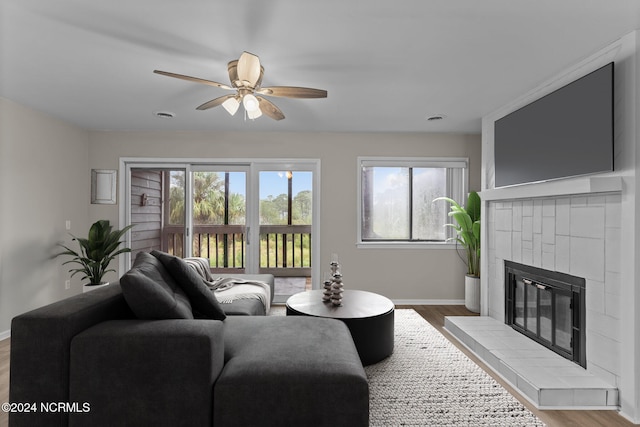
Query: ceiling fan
x,y
245,75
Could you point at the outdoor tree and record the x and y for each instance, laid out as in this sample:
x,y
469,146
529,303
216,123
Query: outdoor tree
x,y
302,207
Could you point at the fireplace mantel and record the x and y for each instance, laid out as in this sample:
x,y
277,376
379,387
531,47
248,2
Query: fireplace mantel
x,y
564,187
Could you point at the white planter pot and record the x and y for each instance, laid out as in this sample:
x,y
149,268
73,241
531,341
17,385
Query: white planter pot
x,y
89,288
472,293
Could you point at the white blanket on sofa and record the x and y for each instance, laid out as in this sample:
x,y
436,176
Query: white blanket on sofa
x,y
230,289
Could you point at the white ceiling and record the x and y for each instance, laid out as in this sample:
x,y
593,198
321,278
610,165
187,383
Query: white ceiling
x,y
386,65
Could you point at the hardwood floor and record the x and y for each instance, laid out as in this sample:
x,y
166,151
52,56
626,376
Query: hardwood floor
x,y
434,315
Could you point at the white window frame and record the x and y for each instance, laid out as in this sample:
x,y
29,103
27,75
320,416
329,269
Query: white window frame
x,y
456,190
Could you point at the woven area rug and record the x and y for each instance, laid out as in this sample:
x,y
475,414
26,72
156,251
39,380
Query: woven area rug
x,y
429,382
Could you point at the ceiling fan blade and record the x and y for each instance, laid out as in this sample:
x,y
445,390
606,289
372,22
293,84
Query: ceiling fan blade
x,y
193,79
215,102
249,69
270,109
292,92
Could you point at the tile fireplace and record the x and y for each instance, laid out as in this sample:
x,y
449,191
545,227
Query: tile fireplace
x,y
561,251
565,236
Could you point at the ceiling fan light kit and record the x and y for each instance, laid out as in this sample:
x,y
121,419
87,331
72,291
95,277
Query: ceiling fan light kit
x,y
231,105
245,75
254,114
250,103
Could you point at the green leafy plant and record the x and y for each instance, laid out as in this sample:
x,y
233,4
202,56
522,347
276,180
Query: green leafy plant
x,y
467,228
96,251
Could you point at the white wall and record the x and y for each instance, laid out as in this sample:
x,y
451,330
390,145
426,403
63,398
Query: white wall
x,y
399,274
44,181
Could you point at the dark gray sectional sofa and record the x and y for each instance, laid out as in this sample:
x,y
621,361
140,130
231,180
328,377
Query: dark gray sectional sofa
x,y
108,367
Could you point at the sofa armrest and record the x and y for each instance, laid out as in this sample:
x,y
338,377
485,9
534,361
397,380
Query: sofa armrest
x,y
141,372
40,343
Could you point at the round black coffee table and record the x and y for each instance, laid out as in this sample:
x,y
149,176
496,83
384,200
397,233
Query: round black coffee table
x,y
368,316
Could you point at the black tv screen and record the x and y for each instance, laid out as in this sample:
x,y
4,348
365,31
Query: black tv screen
x,y
566,133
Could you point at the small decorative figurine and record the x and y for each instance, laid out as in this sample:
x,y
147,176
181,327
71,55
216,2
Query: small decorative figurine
x,y
336,285
336,289
326,295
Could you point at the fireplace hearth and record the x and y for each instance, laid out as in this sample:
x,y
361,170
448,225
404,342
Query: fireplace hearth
x,y
548,307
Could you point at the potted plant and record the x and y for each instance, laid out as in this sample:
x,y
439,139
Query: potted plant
x,y
96,252
467,226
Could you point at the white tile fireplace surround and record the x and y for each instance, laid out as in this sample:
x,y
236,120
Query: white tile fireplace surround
x,y
577,235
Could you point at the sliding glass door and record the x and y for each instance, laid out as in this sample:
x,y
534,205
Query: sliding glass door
x,y
156,208
258,217
286,218
219,217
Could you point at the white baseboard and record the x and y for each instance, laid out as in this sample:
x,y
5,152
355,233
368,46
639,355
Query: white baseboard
x,y
5,334
629,418
428,301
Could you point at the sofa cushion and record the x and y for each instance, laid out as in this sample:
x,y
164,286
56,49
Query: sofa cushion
x,y
310,363
151,292
244,307
203,302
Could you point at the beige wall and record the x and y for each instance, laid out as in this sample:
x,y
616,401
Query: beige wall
x,y
44,181
397,273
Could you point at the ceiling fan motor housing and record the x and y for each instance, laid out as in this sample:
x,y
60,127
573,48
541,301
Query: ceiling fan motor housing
x,y
232,68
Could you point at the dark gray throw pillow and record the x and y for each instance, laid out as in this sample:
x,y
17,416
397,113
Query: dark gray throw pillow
x,y
151,292
202,300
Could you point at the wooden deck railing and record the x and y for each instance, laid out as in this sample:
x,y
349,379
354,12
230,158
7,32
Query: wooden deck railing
x,y
285,250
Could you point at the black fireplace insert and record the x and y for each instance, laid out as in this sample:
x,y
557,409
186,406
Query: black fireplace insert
x,y
548,307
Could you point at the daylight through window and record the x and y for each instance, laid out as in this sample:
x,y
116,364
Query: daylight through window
x,y
396,198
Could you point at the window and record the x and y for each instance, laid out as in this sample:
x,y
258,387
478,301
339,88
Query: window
x,y
396,198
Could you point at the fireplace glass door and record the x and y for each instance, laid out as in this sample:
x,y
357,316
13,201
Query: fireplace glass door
x,y
563,329
546,309
543,312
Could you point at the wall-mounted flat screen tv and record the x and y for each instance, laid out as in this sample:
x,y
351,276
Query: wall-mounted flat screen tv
x,y
566,133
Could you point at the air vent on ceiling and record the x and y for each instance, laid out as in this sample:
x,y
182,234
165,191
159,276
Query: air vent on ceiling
x,y
164,114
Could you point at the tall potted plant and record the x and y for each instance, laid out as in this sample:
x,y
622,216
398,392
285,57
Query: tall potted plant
x,y
96,251
467,227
